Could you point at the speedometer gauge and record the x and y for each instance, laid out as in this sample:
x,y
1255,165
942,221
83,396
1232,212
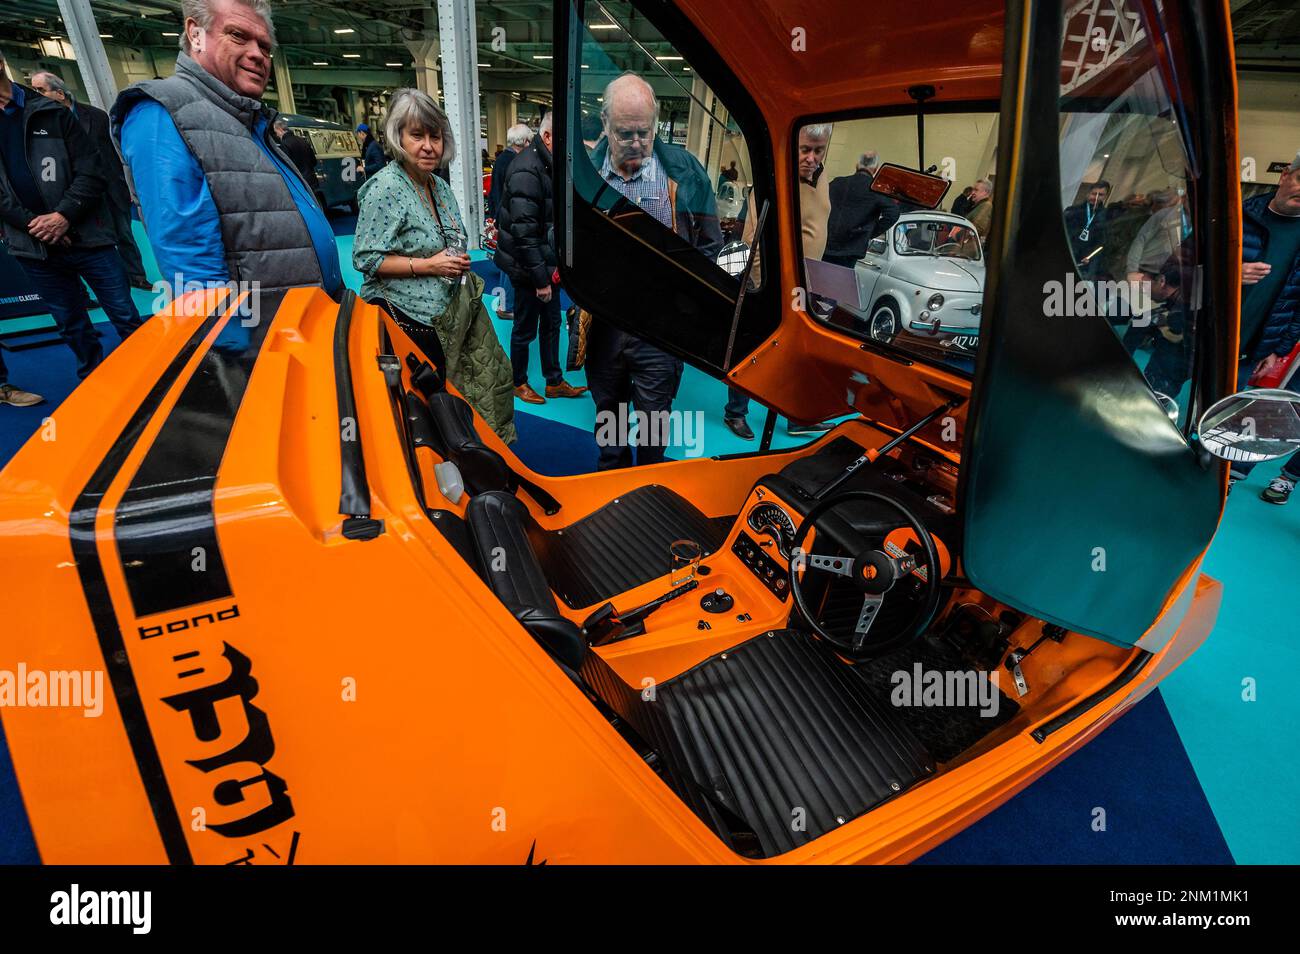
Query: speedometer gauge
x,y
770,519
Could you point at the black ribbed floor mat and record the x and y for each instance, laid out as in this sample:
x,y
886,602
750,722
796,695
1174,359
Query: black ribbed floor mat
x,y
621,545
776,737
945,731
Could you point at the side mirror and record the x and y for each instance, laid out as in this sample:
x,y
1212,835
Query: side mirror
x,y
876,246
1252,426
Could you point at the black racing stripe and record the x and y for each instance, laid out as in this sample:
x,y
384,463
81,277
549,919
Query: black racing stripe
x,y
81,530
166,528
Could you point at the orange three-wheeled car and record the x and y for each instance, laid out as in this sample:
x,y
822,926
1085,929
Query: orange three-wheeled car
x,y
322,644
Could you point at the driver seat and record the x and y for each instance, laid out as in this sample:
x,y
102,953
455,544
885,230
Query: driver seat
x,y
771,743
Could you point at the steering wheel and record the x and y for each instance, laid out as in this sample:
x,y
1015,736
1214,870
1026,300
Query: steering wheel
x,y
874,572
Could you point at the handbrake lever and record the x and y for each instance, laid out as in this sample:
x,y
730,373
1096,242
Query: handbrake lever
x,y
607,625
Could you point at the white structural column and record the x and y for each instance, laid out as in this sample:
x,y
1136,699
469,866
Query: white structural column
x,y
283,84
96,76
502,113
424,53
698,121
459,37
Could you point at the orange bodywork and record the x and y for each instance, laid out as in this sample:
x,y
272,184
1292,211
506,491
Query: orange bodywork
x,y
413,719
396,705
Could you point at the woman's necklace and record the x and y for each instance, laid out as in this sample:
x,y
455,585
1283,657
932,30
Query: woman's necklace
x,y
426,197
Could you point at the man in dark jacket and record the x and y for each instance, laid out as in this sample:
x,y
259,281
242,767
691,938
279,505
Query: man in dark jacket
x,y
94,123
372,154
857,214
668,184
1085,227
518,137
299,149
1270,294
56,221
525,221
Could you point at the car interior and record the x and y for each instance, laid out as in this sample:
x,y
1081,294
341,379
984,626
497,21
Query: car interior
x,y
758,687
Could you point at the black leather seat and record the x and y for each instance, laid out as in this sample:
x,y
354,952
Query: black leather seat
x,y
610,551
498,526
771,743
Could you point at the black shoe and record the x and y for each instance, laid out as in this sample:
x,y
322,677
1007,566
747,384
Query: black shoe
x,y
820,427
740,427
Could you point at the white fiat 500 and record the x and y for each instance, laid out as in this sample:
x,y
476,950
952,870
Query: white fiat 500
x,y
924,276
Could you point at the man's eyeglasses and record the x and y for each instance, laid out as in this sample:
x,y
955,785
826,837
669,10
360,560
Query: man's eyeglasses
x,y
625,137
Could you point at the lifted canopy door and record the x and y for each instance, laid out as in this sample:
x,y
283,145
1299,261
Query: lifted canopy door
x,y
643,214
1084,499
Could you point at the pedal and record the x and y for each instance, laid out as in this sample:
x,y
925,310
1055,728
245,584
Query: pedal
x,y
1050,631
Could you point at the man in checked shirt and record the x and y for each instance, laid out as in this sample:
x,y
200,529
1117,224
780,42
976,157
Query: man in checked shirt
x,y
669,184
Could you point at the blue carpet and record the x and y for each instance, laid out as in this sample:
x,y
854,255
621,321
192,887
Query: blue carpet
x,y
17,847
1137,772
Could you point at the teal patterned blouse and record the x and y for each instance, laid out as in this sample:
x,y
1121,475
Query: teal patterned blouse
x,y
392,220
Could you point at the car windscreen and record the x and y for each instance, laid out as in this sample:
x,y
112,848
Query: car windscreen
x,y
937,238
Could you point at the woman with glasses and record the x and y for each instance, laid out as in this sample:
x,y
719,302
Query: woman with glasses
x,y
410,245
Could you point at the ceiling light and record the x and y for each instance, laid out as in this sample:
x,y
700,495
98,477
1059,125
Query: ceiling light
x,y
106,36
603,26
343,30
392,64
541,56
171,34
585,66
319,63
686,69
351,56
661,58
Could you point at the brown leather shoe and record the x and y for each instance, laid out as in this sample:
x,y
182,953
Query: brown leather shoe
x,y
564,390
18,397
526,394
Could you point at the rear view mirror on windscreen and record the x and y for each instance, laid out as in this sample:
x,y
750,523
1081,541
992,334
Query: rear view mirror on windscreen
x,y
909,185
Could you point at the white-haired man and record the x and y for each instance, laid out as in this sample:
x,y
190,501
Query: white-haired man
x,y
222,202
814,190
94,123
669,184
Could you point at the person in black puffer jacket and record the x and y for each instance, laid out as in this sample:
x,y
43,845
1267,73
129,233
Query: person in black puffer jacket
x,y
526,253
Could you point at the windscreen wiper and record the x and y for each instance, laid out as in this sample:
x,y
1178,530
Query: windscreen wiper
x,y
873,453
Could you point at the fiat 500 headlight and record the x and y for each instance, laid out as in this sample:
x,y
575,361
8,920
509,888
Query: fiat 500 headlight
x,y
935,302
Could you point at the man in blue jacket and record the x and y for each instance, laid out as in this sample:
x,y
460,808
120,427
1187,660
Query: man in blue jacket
x,y
221,200
55,222
1270,297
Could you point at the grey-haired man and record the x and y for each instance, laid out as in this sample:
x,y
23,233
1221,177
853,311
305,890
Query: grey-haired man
x,y
221,200
94,123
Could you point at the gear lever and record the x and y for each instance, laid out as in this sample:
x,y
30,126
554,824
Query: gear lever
x,y
608,625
